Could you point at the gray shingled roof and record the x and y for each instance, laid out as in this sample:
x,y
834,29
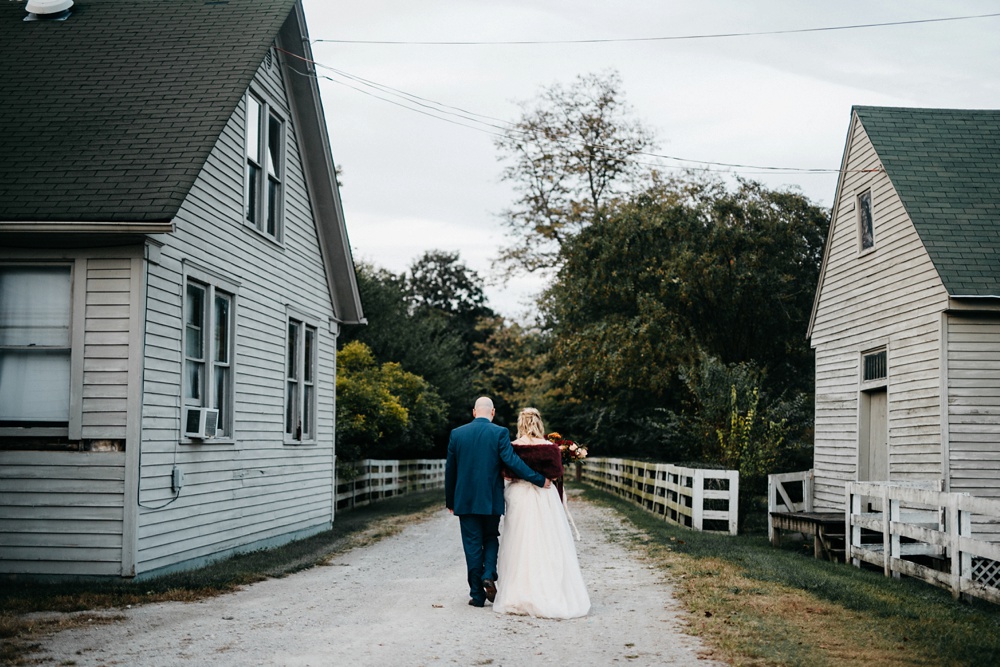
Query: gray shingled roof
x,y
945,165
110,115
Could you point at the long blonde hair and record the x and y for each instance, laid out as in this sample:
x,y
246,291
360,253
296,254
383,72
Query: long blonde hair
x,y
529,424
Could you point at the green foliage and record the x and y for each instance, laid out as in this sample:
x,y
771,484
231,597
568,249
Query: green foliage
x,y
382,410
685,267
420,341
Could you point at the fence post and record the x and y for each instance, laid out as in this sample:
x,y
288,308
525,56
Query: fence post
x,y
698,499
954,531
893,511
886,536
734,502
853,533
807,490
772,506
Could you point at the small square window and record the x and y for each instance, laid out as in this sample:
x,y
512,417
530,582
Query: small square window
x,y
874,366
866,229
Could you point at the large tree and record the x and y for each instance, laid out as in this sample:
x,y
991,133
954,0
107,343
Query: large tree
x,y
682,270
573,151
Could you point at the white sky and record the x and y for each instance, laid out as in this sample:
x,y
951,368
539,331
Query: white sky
x,y
413,183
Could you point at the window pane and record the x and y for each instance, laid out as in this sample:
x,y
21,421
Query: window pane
x,y
273,204
292,361
221,337
194,342
274,141
310,355
193,378
34,385
292,410
222,375
307,413
35,306
253,194
865,212
253,128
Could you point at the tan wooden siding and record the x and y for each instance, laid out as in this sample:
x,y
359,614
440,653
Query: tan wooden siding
x,y
61,513
974,405
890,296
252,488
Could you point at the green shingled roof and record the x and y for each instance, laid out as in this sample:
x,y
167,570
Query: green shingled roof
x,y
945,166
111,114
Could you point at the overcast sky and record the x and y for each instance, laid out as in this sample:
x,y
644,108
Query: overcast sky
x,y
412,182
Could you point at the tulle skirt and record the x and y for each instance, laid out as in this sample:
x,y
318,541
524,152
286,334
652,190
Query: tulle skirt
x,y
538,571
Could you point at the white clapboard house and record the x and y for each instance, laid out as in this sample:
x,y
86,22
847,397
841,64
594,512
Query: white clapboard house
x,y
906,321
174,272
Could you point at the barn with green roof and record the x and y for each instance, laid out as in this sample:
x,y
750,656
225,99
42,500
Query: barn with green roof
x,y
906,319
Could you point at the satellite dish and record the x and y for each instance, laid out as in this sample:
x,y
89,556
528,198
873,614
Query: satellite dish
x,y
45,8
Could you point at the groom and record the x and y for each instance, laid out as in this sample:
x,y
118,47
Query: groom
x,y
473,488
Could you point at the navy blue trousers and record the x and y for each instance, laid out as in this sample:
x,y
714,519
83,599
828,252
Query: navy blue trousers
x,y
481,541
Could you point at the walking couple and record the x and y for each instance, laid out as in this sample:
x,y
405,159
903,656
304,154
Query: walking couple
x,y
530,567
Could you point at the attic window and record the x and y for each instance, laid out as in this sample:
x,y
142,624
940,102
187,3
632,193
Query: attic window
x,y
265,165
866,230
874,366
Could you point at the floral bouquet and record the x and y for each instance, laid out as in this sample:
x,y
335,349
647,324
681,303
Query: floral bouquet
x,y
572,452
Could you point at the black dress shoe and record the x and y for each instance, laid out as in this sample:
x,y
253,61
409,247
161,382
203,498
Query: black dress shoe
x,y
477,603
491,589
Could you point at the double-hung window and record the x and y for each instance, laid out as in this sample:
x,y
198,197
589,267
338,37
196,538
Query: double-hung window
x,y
35,345
209,317
300,381
265,160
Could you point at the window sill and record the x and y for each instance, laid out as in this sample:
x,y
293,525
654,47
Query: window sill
x,y
264,235
208,441
300,443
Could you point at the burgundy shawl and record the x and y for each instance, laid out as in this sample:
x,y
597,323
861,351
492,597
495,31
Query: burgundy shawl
x,y
543,459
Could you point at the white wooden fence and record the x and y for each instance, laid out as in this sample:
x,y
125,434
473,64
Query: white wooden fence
x,y
889,521
384,479
781,488
692,497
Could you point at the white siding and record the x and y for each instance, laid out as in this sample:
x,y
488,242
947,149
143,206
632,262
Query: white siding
x,y
890,296
61,512
974,405
252,488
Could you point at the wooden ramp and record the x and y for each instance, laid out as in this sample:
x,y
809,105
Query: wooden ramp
x,y
826,529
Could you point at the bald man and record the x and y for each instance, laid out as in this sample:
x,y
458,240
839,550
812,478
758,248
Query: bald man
x,y
473,487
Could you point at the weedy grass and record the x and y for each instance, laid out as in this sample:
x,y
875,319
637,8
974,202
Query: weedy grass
x,y
21,599
758,605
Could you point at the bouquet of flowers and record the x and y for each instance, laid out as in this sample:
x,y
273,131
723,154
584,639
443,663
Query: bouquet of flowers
x,y
572,452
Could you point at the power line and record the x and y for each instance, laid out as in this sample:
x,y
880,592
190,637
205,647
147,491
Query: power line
x,y
525,42
471,120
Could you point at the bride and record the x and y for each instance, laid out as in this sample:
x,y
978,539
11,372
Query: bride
x,y
539,574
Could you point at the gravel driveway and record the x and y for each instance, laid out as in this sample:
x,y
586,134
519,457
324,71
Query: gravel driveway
x,y
402,601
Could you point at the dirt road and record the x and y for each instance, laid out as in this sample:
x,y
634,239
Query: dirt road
x,y
402,601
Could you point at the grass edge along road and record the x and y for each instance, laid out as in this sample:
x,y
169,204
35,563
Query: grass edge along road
x,y
758,605
752,603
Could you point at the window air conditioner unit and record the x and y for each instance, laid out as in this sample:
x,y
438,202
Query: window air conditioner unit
x,y
201,423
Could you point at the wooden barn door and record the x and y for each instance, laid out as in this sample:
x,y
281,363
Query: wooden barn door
x,y
873,447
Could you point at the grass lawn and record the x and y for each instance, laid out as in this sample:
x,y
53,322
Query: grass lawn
x,y
758,605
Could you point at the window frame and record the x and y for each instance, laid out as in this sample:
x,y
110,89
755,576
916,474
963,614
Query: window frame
x,y
860,217
296,398
259,182
869,350
77,303
213,286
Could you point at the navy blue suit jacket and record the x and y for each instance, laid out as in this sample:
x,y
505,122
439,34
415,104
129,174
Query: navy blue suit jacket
x,y
473,483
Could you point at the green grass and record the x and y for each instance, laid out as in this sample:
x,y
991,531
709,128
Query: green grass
x,y
762,605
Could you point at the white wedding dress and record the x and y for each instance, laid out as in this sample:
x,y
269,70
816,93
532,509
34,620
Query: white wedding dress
x,y
538,571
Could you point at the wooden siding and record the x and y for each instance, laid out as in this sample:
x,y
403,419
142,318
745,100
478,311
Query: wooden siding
x,y
61,513
891,296
974,405
252,488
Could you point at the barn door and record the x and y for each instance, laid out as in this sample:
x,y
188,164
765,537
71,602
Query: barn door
x,y
873,447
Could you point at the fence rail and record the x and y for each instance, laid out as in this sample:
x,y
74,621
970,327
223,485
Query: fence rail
x,y
380,479
928,526
692,497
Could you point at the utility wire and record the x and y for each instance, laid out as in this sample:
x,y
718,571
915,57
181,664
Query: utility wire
x,y
499,127
857,26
